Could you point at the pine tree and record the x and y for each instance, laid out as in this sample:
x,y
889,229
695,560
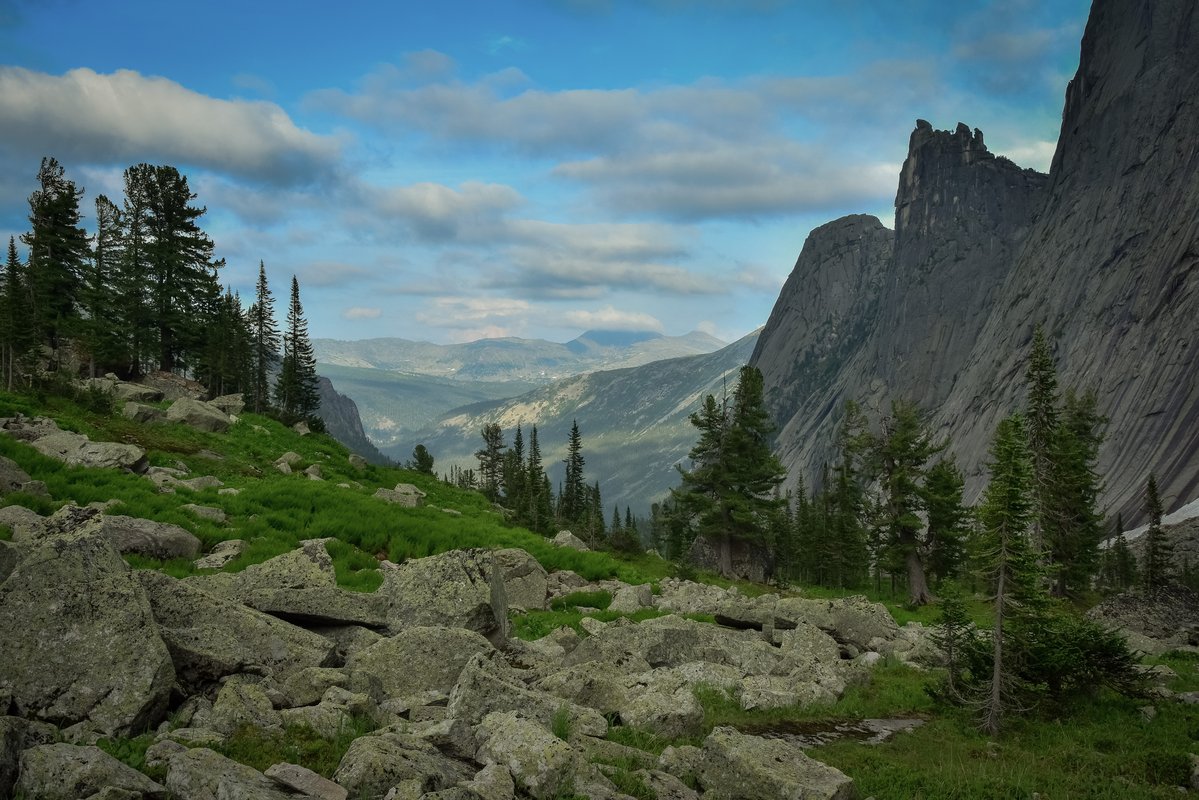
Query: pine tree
x,y
264,342
1074,526
98,293
295,389
539,511
422,459
572,505
491,461
1155,560
514,476
58,250
948,519
134,311
16,328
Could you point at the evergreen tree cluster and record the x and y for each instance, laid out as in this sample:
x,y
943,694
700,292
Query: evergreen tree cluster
x,y
142,294
515,479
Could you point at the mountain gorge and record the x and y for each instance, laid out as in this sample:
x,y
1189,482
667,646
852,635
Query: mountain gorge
x,y
634,421
1102,252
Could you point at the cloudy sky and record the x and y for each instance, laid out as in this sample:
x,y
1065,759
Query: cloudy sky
x,y
465,168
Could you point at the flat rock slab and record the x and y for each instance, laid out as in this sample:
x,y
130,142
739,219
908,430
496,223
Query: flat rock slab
x,y
69,772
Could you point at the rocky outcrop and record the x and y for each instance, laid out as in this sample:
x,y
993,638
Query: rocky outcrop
x,y
73,449
343,423
199,415
160,540
79,638
70,772
526,584
1166,619
418,659
741,767
404,494
460,588
1102,254
201,774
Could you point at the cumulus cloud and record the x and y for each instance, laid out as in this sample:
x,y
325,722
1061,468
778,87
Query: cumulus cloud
x,y
89,117
438,213
360,312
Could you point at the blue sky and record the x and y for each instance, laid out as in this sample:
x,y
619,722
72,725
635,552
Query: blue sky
x,y
452,170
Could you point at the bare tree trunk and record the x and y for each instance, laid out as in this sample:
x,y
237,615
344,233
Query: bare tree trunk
x,y
918,591
725,556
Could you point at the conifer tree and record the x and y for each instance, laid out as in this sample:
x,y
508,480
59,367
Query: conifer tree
x,y
58,250
514,475
16,329
98,292
1155,560
1007,512
491,461
572,505
539,511
265,343
295,390
1041,424
422,459
948,519
134,311
1073,527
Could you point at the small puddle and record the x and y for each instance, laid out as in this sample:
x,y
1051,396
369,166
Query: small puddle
x,y
821,732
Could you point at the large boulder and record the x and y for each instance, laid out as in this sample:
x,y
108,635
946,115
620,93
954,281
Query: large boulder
x,y
374,764
201,774
210,637
199,415
300,586
142,413
69,772
749,561
144,537
419,659
736,766
76,450
486,685
24,523
241,702
174,386
568,539
80,641
853,621
305,782
12,477
460,588
404,494
1162,620
229,403
539,762
525,581
135,392
17,735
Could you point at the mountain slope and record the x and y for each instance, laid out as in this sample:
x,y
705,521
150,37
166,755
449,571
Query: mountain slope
x,y
340,415
634,422
1102,252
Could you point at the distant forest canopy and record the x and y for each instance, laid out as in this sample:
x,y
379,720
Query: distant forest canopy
x,y
141,293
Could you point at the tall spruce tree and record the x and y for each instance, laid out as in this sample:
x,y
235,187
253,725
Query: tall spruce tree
x,y
539,505
948,519
491,461
58,251
1041,423
16,330
1155,559
134,309
1008,559
1073,527
98,293
295,390
572,505
264,343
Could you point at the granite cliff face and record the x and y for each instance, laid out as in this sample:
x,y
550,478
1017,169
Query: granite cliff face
x,y
340,415
1103,253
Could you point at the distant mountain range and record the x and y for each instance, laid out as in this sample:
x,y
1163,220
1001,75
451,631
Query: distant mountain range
x,y
634,422
401,386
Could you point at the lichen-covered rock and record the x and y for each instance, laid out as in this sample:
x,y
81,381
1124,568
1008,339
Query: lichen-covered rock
x,y
590,684
201,774
80,642
419,659
485,685
211,513
221,554
70,772
738,766
373,764
12,477
210,637
76,450
305,782
229,403
160,540
16,735
853,621
307,686
525,580
539,762
630,599
334,713
241,702
199,415
404,494
24,523
671,715
459,588
142,413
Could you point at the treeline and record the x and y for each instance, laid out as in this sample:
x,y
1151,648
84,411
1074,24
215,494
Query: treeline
x,y
141,293
889,510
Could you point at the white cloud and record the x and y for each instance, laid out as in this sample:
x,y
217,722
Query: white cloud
x,y
88,117
1037,155
611,319
434,212
360,312
474,312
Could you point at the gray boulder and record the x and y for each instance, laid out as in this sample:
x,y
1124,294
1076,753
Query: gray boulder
x,y
211,513
525,581
305,782
80,640
135,392
229,403
737,766
419,659
76,450
404,494
69,772
486,685
334,713
307,686
568,539
12,477
17,735
539,762
140,412
300,586
459,589
201,774
374,764
144,537
24,523
199,415
630,599
241,702
210,637
853,621
221,554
